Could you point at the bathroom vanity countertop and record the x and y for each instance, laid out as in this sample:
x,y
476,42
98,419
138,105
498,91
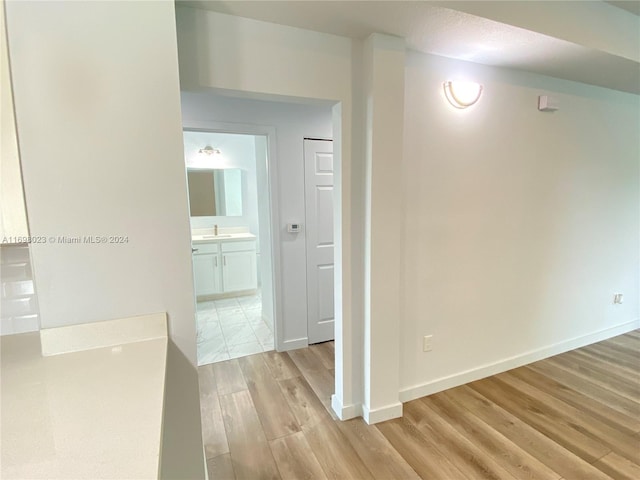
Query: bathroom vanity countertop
x,y
223,237
90,414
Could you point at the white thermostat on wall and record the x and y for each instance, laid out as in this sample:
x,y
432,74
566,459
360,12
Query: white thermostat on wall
x,y
293,227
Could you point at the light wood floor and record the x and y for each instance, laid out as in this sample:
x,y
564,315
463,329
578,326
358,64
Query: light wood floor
x,y
573,416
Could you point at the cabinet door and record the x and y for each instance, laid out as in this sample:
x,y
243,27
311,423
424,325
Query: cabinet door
x,y
206,272
239,271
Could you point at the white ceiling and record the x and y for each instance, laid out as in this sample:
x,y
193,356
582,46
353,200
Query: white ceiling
x,y
431,28
632,6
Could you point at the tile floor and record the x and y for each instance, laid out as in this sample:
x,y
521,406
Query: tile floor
x,y
232,328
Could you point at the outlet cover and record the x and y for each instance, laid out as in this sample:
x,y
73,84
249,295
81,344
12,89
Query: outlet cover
x,y
426,343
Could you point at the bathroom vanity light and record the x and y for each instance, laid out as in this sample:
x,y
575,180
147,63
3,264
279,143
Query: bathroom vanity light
x,y
462,94
208,158
209,150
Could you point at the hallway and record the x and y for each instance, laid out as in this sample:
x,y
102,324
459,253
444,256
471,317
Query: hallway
x,y
575,415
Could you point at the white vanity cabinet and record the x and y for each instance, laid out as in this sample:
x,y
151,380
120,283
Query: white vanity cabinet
x,y
239,266
206,269
222,267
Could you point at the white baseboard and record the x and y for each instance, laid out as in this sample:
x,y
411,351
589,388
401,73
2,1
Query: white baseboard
x,y
87,336
455,380
294,344
345,412
381,414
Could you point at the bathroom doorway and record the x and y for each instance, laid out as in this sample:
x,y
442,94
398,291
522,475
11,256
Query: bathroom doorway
x,y
283,126
227,177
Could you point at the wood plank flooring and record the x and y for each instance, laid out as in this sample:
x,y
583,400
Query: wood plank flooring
x,y
572,416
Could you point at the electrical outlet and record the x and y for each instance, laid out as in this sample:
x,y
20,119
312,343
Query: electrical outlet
x,y
426,343
617,298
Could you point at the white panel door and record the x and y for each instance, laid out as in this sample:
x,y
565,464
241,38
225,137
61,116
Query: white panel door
x,y
318,163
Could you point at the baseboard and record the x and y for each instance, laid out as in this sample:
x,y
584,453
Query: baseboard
x,y
221,296
345,412
451,381
268,320
294,344
381,414
87,336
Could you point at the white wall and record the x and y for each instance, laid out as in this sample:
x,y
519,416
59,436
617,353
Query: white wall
x,y
95,125
292,123
13,215
98,119
238,151
520,225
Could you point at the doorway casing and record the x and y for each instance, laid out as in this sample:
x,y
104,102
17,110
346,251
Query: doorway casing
x,y
274,218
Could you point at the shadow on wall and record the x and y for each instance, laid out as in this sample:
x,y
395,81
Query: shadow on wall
x,y
180,452
192,77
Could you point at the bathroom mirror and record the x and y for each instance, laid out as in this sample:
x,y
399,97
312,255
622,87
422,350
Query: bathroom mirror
x,y
215,193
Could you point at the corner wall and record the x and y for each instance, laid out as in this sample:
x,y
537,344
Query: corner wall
x,y
98,113
520,225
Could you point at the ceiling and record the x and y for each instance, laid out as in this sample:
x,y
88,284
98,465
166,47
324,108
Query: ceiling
x,y
590,42
628,5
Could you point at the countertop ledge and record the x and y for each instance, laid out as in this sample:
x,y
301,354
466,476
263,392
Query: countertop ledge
x,y
94,413
223,237
87,336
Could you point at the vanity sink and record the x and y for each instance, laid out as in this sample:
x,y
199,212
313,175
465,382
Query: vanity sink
x,y
212,238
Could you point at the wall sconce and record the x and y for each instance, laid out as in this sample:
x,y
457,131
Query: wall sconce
x,y
209,150
462,94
